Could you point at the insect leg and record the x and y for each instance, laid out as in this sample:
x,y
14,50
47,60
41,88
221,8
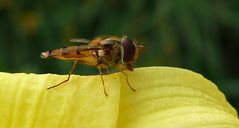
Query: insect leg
x,y
128,81
107,69
102,80
69,74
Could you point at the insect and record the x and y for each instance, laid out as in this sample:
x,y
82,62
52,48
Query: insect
x,y
120,52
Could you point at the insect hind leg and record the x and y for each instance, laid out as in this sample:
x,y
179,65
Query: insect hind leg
x,y
68,78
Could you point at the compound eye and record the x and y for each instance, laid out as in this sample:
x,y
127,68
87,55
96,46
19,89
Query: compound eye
x,y
129,50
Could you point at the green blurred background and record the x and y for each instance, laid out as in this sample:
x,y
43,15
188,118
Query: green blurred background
x,y
198,35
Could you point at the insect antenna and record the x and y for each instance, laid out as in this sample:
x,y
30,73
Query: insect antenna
x,y
102,81
68,78
127,80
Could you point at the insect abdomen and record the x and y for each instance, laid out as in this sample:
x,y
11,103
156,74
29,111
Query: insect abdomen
x,y
65,53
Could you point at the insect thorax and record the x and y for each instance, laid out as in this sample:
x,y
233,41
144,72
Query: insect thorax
x,y
111,52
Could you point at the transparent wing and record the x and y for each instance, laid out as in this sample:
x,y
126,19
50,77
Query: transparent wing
x,y
102,37
80,40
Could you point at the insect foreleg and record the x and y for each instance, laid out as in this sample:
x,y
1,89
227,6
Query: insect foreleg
x,y
69,75
128,81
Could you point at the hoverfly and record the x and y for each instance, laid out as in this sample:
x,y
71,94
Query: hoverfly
x,y
120,52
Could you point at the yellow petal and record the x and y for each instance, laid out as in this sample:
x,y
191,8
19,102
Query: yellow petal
x,y
173,98
26,103
164,97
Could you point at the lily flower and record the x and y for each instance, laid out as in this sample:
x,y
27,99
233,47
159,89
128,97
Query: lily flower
x,y
165,97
